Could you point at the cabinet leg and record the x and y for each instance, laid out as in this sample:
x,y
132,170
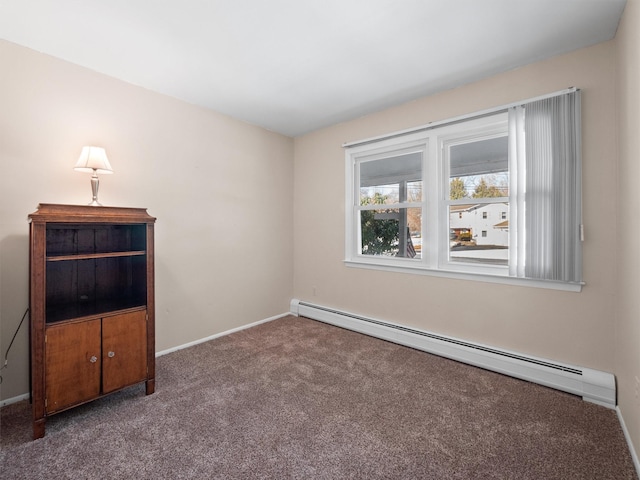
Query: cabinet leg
x,y
38,428
151,386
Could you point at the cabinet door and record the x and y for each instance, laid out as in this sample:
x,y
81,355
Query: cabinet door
x,y
72,364
124,350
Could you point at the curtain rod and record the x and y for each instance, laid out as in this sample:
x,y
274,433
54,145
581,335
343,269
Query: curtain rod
x,y
440,123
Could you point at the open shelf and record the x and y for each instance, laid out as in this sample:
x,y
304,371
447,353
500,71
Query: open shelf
x,y
65,239
86,286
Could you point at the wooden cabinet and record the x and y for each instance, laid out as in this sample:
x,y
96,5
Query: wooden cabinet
x,y
91,303
88,358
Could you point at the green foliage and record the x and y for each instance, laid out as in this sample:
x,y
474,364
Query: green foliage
x,y
379,237
484,190
457,189
377,199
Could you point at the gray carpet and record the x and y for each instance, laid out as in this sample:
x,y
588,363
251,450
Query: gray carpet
x,y
295,398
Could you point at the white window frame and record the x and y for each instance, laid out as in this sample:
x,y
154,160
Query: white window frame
x,y
430,140
483,128
414,143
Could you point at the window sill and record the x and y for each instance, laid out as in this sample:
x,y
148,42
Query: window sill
x,y
478,277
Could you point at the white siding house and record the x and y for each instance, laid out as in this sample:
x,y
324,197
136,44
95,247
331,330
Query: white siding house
x,y
488,223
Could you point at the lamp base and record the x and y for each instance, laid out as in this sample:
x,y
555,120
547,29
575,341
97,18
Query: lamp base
x,y
95,183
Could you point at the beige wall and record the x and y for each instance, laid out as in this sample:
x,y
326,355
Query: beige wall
x,y
577,328
221,190
627,345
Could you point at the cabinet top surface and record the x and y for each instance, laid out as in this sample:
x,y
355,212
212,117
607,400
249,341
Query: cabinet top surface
x,y
49,212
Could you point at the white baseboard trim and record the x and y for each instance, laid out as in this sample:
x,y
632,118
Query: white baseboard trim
x,y
627,437
592,385
9,401
221,334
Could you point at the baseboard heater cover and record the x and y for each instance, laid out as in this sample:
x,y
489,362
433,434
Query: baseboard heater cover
x,y
592,385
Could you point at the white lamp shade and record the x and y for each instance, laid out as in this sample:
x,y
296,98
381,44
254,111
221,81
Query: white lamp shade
x,y
93,159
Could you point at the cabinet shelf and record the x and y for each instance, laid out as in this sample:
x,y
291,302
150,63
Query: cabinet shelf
x,y
87,256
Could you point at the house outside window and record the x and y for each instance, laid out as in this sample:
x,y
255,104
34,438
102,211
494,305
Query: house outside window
x,y
439,187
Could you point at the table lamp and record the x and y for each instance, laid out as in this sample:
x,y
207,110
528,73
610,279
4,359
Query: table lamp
x,y
93,160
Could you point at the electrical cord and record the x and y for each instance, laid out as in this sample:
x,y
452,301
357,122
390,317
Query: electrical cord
x,y
6,355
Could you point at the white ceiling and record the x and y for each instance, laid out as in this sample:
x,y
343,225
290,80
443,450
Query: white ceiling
x,y
293,66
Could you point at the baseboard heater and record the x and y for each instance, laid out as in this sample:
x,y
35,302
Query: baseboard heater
x,y
592,385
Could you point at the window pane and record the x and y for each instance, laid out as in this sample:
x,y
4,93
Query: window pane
x,y
391,180
380,194
414,239
391,232
414,191
479,169
478,238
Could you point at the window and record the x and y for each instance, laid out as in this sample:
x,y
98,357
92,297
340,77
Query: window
x,y
473,196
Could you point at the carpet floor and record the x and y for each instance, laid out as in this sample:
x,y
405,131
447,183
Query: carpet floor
x,y
296,398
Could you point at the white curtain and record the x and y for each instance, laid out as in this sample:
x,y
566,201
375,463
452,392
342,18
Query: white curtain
x,y
553,197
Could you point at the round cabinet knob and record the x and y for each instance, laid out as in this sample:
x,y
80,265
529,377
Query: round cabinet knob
x,y
111,354
93,359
